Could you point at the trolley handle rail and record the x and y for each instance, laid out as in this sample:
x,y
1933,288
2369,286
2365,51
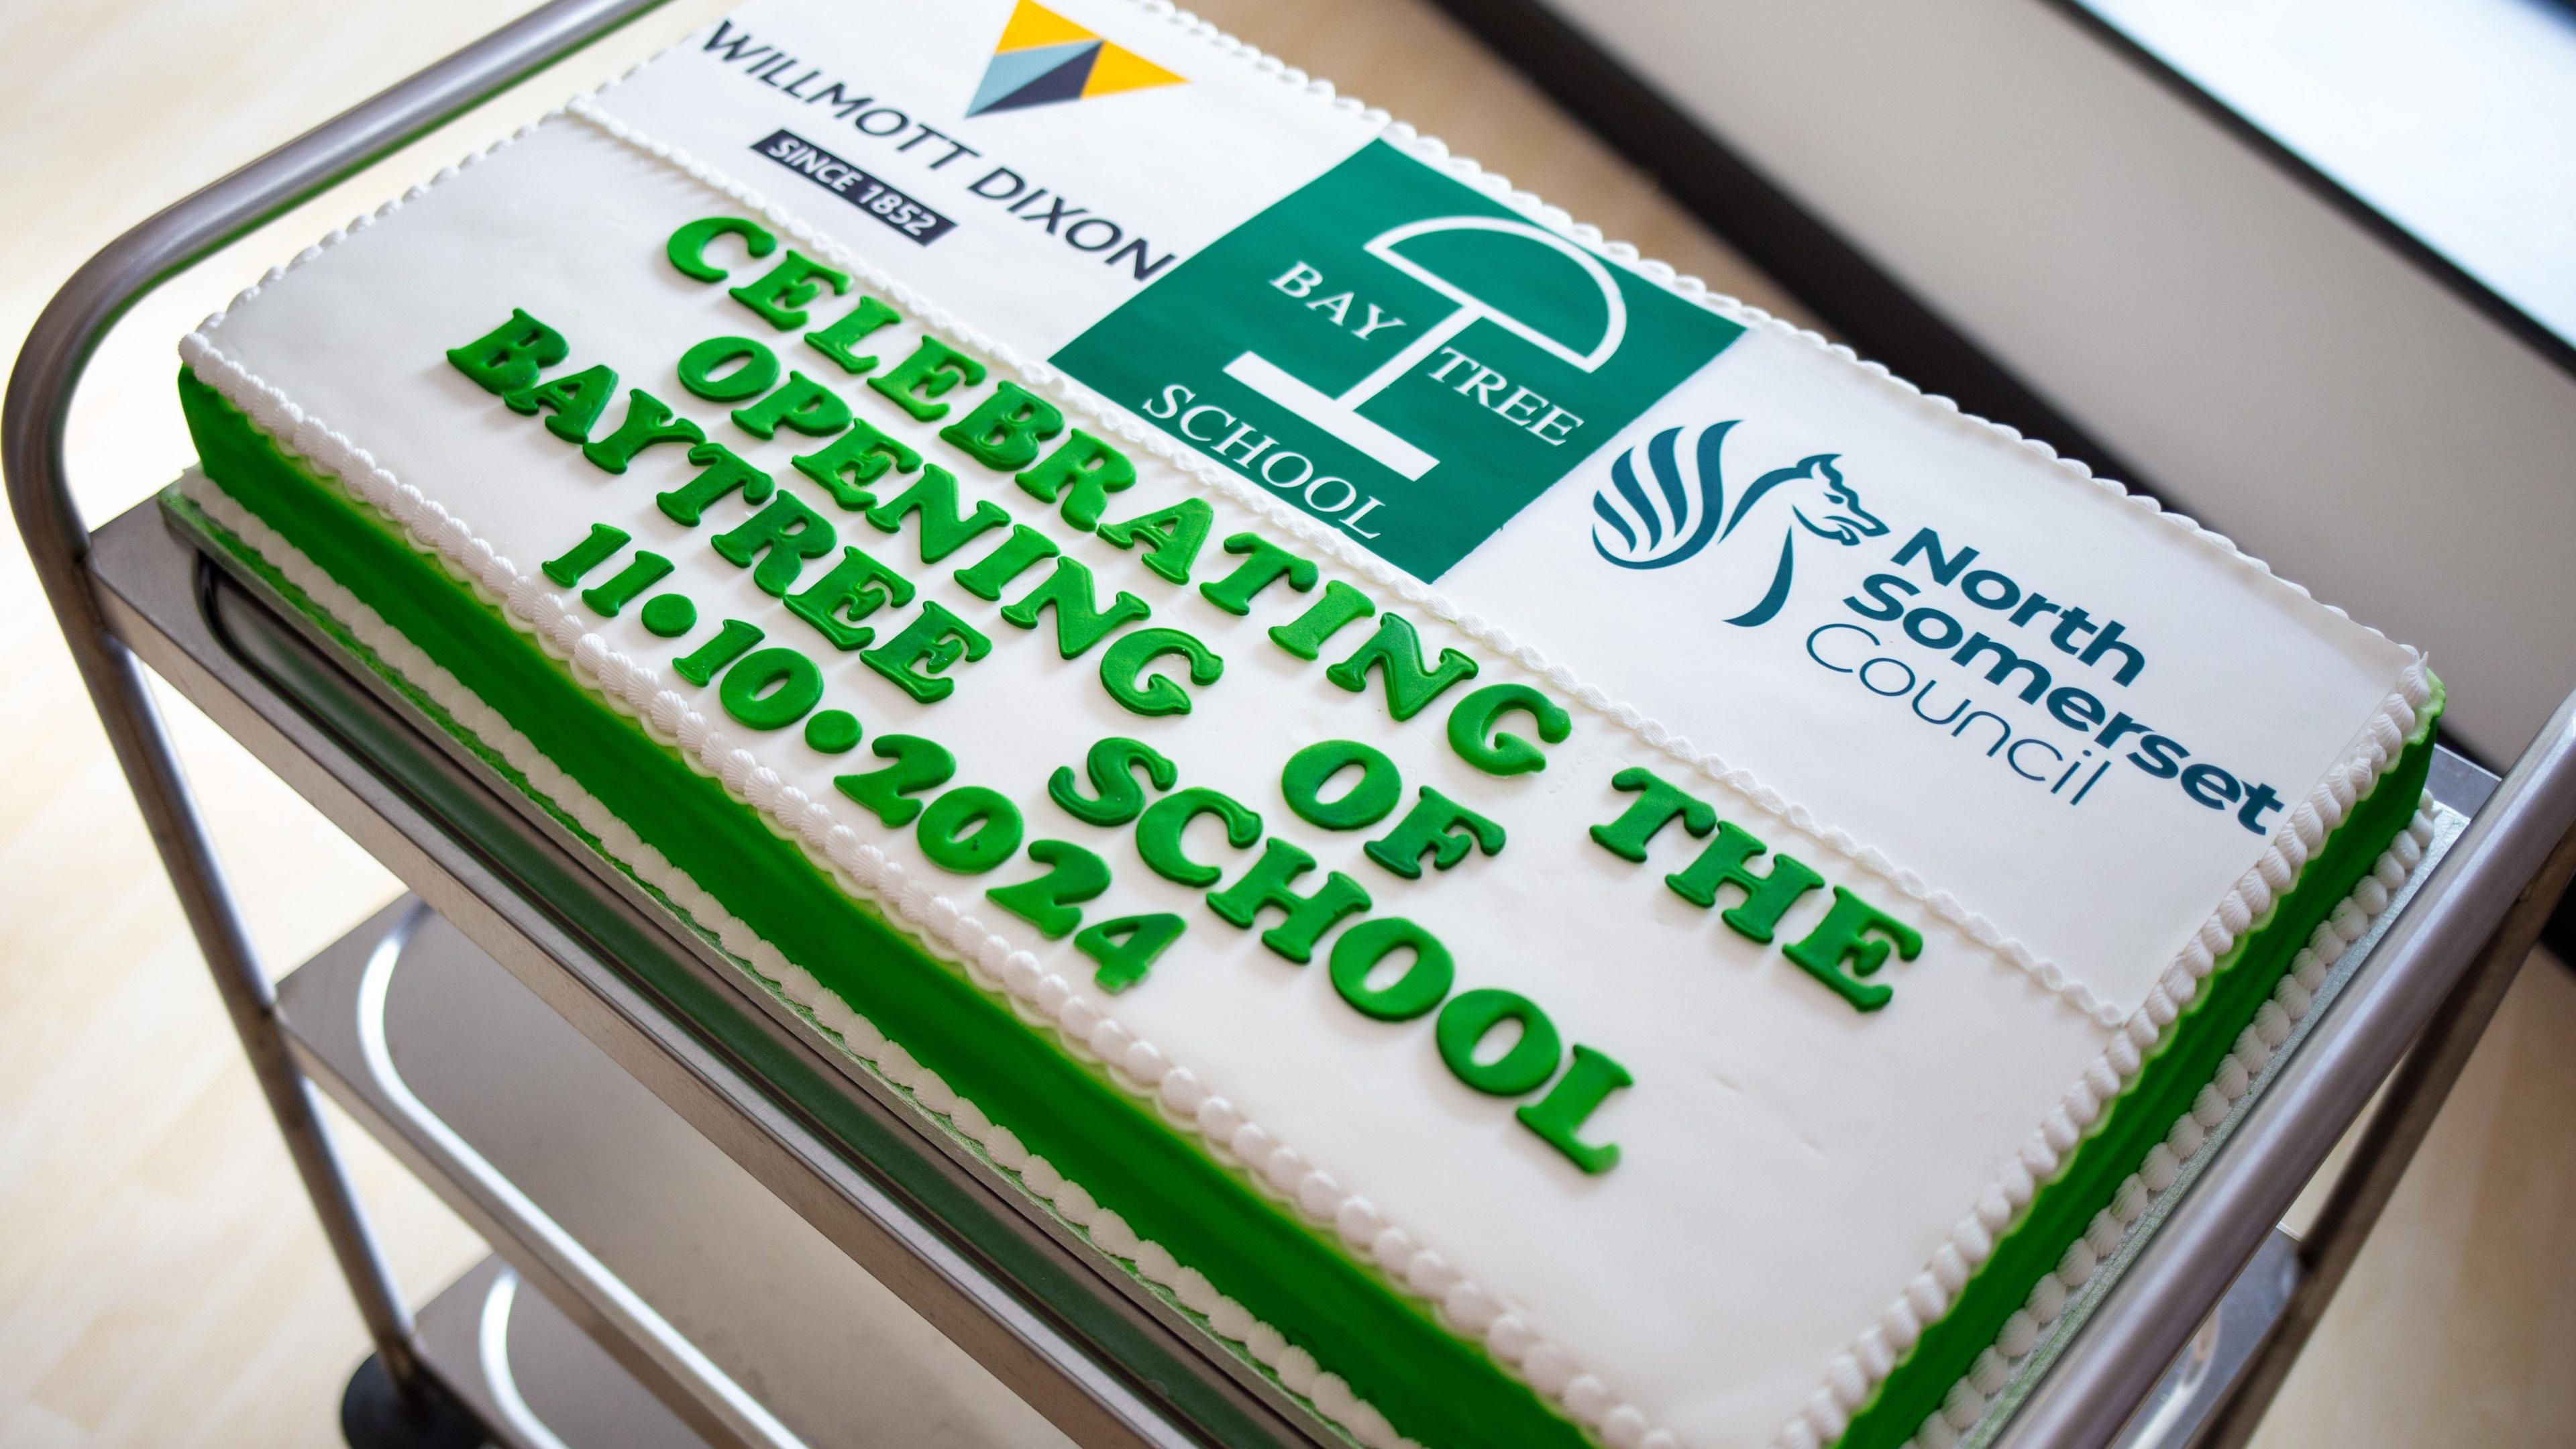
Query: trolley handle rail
x,y
38,408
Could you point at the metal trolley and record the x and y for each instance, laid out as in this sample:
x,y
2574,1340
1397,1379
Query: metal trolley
x,y
525,998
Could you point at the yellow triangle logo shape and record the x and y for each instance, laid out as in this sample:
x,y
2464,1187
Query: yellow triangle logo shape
x,y
1034,25
1120,69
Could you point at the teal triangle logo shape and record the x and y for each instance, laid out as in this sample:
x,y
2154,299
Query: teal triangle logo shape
x,y
1034,77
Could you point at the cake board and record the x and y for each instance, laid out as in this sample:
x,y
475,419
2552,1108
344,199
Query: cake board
x,y
2430,984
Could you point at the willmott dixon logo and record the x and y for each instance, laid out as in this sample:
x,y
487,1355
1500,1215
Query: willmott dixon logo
x,y
1684,509
1043,58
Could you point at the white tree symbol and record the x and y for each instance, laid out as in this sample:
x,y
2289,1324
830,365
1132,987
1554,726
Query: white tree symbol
x,y
1339,415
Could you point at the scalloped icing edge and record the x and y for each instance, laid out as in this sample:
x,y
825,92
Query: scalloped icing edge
x,y
2192,1135
1858,1370
1546,1366
906,906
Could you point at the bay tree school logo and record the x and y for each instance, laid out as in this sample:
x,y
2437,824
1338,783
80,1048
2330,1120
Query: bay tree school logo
x,y
1680,507
1339,414
1043,58
1397,354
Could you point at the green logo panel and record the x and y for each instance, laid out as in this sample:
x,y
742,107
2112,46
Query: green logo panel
x,y
1397,354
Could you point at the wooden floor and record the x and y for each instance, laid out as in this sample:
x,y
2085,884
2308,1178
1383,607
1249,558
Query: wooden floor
x,y
161,1282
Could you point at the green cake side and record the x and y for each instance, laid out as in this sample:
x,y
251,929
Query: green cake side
x,y
1434,1386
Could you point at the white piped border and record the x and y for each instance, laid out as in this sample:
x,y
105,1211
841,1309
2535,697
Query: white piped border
x,y
1462,1305
907,905
2192,1133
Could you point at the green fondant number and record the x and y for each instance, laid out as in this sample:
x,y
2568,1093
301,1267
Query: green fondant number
x,y
641,572
699,665
1126,947
1052,901
594,550
918,765
969,830
772,689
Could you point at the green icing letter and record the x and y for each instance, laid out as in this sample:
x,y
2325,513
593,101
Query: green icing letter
x,y
1658,802
1159,828
933,368
573,403
510,356
1116,798
782,294
1496,752
1438,827
1083,471
1396,651
1726,862
836,340
703,369
1173,536
939,527
856,587
1361,949
1004,431
1122,671
916,658
781,536
850,462
1266,564
687,248
1265,886
1854,935
1304,635
1560,1115
1080,622
1053,901
722,471
648,421
1369,800
918,765
1024,550
800,404
1471,1016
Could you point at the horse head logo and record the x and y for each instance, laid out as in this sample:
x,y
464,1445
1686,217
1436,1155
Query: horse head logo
x,y
1681,508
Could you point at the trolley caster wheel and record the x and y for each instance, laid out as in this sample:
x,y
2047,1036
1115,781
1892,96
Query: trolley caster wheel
x,y
373,1416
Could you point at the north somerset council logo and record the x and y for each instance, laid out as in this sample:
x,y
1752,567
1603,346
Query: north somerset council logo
x,y
1680,509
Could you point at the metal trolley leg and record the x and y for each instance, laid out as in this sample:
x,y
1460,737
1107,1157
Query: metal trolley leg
x,y
2408,1106
31,434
